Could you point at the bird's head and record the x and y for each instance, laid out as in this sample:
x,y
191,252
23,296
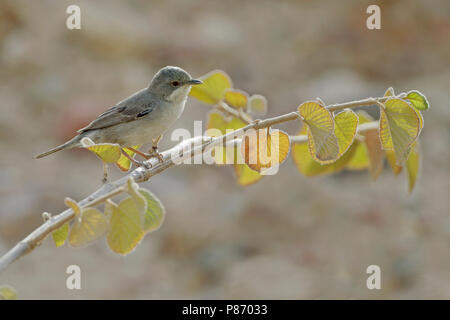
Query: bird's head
x,y
172,84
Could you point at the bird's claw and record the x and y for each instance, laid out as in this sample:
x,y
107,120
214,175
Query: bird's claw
x,y
153,153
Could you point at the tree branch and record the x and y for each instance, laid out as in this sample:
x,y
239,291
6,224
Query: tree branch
x,y
141,174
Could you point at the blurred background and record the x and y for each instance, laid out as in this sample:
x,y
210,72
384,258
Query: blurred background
x,y
286,237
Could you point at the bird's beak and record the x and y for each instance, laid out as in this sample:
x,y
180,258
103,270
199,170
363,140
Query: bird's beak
x,y
194,82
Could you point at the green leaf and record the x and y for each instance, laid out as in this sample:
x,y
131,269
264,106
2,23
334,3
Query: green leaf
x,y
7,293
60,235
399,127
322,141
246,176
418,100
125,226
154,214
309,167
90,225
345,125
360,157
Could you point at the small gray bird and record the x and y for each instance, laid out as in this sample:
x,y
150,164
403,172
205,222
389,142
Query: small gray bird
x,y
140,118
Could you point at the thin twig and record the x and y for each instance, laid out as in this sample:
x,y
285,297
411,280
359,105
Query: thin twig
x,y
142,174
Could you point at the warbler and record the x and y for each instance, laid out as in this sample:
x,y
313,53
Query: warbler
x,y
142,117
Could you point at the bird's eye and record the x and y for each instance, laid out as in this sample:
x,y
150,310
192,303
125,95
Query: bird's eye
x,y
175,83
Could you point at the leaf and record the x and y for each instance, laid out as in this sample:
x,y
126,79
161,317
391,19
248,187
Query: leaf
x,y
109,153
418,100
364,117
124,163
125,230
139,199
412,166
154,214
345,125
221,124
360,157
257,105
217,121
236,98
261,150
73,205
399,127
390,156
322,141
7,292
60,235
375,152
309,167
246,176
90,225
213,87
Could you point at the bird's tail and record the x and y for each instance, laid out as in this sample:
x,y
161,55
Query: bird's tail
x,y
75,142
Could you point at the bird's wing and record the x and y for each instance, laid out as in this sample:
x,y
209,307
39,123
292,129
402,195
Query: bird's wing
x,y
125,111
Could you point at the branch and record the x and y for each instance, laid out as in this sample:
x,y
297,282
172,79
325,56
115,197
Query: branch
x,y
141,174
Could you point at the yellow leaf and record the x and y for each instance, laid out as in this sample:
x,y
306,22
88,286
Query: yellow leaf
x,y
257,105
364,117
125,230
73,205
124,163
261,150
345,125
216,121
322,141
154,213
60,235
221,124
360,157
375,152
246,176
236,98
7,293
213,87
418,100
109,153
88,227
412,166
399,127
309,167
390,156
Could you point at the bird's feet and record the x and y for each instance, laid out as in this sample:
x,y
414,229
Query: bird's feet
x,y
137,163
153,153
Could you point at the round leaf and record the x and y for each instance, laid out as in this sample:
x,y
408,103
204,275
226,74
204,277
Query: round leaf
x,y
257,105
418,100
125,231
154,213
60,235
213,87
261,150
88,227
236,98
322,141
399,127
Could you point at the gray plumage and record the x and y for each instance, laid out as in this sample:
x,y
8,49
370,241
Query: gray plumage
x,y
141,117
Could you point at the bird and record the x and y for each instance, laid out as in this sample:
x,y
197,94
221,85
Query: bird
x,y
139,119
